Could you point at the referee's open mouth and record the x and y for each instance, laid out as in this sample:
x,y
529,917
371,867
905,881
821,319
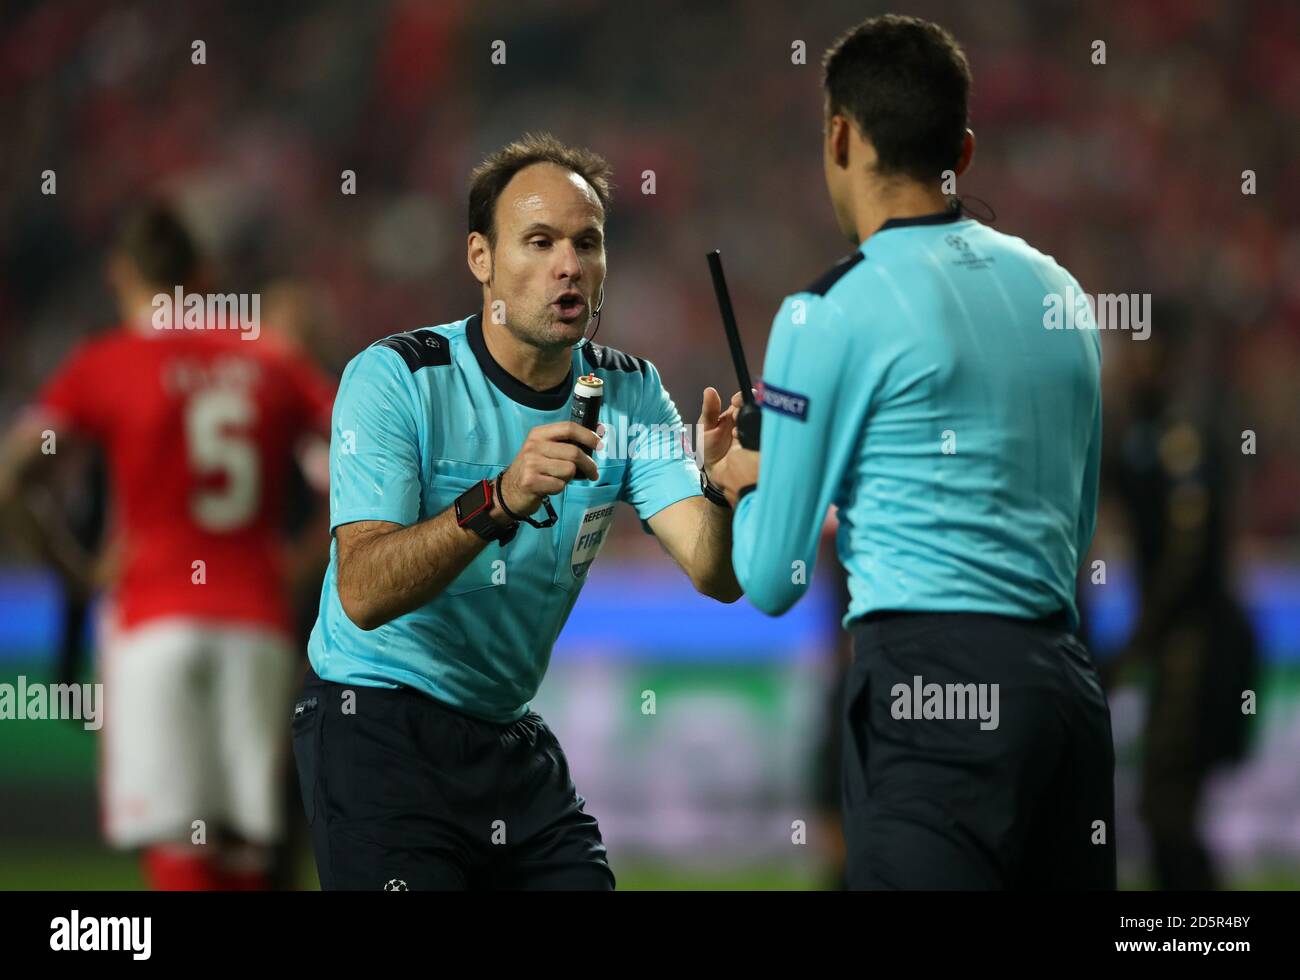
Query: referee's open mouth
x,y
569,305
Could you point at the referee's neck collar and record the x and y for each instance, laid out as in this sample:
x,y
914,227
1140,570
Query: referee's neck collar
x,y
947,216
510,386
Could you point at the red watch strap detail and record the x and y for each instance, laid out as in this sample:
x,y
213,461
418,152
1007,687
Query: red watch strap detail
x,y
486,505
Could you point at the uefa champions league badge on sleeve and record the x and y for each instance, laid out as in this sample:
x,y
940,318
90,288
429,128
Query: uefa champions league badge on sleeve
x,y
591,535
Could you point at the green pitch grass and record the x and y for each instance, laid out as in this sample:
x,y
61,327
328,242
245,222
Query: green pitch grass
x,y
103,870
95,870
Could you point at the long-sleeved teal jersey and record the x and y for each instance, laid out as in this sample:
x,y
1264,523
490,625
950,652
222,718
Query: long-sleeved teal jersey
x,y
421,417
919,387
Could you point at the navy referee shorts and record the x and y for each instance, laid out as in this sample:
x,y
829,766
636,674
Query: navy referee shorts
x,y
952,794
405,793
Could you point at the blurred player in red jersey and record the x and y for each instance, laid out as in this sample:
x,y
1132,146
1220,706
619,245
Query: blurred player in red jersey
x,y
200,428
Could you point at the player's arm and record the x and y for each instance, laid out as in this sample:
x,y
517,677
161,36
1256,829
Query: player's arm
x,y
30,511
812,411
663,486
307,553
19,451
386,570
1090,491
695,532
1190,536
697,536
389,561
66,405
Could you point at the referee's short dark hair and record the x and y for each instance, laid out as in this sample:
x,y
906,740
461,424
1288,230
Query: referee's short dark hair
x,y
489,178
156,241
905,82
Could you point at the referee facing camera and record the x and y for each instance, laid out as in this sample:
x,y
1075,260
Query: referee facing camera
x,y
466,510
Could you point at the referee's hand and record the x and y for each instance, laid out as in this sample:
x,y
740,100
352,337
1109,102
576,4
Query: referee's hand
x,y
716,427
551,456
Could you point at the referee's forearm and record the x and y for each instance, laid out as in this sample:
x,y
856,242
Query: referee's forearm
x,y
714,575
384,573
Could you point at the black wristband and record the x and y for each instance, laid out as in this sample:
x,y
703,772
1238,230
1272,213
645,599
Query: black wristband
x,y
501,499
712,493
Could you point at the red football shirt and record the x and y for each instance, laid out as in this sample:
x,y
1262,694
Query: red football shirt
x,y
199,430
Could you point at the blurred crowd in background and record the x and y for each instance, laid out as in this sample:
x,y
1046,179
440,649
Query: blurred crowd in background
x,y
1129,172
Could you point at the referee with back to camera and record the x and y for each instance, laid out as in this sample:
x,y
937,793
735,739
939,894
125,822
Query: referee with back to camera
x,y
918,387
466,508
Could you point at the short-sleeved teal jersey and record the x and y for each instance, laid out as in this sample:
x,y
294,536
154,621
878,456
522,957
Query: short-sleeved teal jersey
x,y
921,389
422,416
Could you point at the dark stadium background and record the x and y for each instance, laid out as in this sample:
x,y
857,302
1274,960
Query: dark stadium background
x,y
1130,173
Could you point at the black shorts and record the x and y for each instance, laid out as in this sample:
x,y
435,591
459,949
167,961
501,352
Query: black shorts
x,y
955,803
403,792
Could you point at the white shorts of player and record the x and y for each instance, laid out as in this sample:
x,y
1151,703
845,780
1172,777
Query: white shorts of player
x,y
196,728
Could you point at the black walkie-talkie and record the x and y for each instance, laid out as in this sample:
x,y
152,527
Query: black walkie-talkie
x,y
749,419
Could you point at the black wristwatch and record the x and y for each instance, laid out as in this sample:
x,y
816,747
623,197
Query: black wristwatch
x,y
474,513
713,493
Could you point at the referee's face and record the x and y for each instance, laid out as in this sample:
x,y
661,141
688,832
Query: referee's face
x,y
549,261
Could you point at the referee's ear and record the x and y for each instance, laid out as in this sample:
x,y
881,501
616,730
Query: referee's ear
x,y
838,134
967,151
478,254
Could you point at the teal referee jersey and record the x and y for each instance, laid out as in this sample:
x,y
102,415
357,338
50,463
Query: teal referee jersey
x,y
918,387
422,416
